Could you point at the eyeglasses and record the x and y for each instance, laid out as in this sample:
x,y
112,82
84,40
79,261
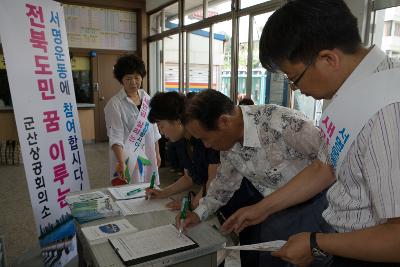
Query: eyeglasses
x,y
293,84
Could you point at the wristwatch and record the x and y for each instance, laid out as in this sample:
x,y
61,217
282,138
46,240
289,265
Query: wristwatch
x,y
315,250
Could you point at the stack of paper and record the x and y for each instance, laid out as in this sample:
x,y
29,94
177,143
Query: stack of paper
x,y
266,246
141,205
129,191
100,233
91,206
151,244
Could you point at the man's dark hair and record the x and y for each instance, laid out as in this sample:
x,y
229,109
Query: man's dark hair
x,y
166,106
300,29
190,95
206,107
129,64
246,101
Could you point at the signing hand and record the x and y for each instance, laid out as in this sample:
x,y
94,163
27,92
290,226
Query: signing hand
x,y
155,193
296,250
191,219
244,217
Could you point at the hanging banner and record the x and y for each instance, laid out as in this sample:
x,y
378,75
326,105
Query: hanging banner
x,y
39,73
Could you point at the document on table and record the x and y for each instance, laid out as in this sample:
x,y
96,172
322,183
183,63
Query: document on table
x,y
151,244
90,196
122,192
266,246
141,205
99,233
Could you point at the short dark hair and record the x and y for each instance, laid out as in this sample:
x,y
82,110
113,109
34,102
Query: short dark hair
x,y
246,101
207,107
300,29
129,64
190,95
166,106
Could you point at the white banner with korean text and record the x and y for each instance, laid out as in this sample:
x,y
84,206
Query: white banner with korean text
x,y
39,73
341,122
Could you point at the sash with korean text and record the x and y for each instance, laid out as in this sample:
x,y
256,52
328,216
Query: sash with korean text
x,y
351,109
39,73
139,148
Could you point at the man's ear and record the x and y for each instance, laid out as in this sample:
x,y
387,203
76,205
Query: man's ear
x,y
330,59
224,121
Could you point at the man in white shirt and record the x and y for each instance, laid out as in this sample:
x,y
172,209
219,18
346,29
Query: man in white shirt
x,y
266,144
317,45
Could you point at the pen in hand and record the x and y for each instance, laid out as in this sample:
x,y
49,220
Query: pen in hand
x,y
183,214
152,181
134,191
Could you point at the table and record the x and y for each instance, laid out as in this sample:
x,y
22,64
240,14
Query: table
x,y
102,255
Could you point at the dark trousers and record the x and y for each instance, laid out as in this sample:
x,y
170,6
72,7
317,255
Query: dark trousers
x,y
345,262
305,217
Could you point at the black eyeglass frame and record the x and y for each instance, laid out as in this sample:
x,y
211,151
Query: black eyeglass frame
x,y
293,84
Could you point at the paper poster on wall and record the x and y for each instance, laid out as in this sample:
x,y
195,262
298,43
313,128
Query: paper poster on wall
x,y
39,73
100,28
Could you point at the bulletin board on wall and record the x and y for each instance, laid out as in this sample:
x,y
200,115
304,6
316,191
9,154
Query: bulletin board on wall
x,y
100,28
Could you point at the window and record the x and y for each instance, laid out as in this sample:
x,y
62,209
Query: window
x,y
397,29
155,67
247,3
156,23
262,90
387,28
309,106
194,9
208,50
81,76
171,63
221,59
386,33
198,60
242,57
171,18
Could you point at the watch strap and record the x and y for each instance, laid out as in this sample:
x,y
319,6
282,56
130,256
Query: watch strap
x,y
315,249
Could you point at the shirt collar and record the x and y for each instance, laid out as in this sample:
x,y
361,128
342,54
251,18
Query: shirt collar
x,y
122,94
366,67
250,135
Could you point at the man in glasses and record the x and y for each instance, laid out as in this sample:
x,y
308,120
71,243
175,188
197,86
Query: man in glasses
x,y
316,43
266,144
293,83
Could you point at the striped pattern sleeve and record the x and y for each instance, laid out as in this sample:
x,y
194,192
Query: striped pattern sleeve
x,y
382,162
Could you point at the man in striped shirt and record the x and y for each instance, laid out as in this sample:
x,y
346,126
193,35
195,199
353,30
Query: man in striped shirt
x,y
317,45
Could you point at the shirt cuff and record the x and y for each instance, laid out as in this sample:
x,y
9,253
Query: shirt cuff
x,y
202,212
115,142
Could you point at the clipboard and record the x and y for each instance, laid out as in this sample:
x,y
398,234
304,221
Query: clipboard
x,y
130,249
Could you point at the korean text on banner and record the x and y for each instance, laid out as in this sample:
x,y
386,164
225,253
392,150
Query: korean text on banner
x,y
39,73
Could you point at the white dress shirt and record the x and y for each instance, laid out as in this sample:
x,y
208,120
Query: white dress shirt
x,y
120,116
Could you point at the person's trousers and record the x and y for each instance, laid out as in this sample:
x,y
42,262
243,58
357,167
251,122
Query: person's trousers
x,y
305,217
345,262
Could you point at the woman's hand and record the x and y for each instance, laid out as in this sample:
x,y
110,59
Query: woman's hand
x,y
156,193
